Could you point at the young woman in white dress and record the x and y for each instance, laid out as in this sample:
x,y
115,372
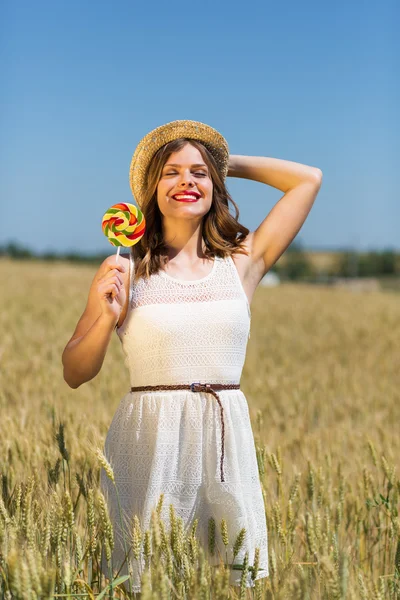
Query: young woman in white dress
x,y
180,302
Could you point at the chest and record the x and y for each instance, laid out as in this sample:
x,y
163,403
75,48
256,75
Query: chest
x,y
206,325
224,287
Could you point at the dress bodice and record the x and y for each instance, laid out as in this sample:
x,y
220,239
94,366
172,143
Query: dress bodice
x,y
178,331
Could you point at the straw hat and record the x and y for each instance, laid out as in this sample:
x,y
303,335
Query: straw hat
x,y
148,146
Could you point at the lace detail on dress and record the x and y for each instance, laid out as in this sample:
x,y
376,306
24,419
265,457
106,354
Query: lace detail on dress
x,y
183,331
161,288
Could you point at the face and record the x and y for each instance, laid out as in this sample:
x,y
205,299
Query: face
x,y
185,170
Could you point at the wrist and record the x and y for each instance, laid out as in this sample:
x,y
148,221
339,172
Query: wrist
x,y
239,165
232,165
109,321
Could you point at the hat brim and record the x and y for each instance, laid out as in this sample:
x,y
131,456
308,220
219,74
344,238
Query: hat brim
x,y
155,139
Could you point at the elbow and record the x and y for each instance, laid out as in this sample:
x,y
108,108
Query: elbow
x,y
72,384
75,379
318,175
69,380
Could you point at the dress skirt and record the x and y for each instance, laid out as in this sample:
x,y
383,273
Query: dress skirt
x,y
169,442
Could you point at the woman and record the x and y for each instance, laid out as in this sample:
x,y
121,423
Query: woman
x,y
180,302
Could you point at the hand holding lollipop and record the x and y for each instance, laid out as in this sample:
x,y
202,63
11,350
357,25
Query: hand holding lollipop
x,y
124,225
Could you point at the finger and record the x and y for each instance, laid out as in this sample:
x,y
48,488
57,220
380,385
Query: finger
x,y
107,289
115,268
114,290
111,277
108,268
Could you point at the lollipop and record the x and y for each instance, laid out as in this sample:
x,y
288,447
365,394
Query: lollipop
x,y
124,225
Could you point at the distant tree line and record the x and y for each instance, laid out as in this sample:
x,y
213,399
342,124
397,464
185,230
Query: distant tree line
x,y
18,252
295,263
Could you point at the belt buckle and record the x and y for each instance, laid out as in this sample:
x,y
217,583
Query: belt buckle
x,y
198,387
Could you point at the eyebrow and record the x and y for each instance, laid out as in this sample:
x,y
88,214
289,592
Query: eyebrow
x,y
176,165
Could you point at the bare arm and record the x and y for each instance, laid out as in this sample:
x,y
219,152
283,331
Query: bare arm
x,y
84,354
301,184
83,357
281,174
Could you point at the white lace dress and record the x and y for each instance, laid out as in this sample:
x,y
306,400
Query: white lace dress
x,y
169,441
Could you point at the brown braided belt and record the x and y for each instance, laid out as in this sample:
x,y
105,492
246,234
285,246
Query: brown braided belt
x,y
210,388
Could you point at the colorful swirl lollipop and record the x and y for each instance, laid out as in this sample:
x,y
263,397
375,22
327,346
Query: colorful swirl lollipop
x,y
123,225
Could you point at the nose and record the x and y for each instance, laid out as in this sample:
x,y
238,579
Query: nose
x,y
185,184
186,179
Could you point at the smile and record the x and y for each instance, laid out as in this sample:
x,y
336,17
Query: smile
x,y
185,198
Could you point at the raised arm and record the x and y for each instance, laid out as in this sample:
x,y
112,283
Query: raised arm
x,y
301,184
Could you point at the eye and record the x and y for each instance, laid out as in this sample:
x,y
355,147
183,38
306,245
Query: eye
x,y
196,173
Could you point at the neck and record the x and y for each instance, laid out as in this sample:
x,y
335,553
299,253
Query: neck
x,y
185,243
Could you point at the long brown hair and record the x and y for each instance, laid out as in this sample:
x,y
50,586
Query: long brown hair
x,y
222,233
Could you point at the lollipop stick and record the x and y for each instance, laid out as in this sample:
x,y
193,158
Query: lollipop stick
x,y
119,248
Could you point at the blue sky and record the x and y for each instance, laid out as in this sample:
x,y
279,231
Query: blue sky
x,y
309,82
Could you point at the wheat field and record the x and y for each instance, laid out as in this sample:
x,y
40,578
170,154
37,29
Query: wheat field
x,y
322,380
